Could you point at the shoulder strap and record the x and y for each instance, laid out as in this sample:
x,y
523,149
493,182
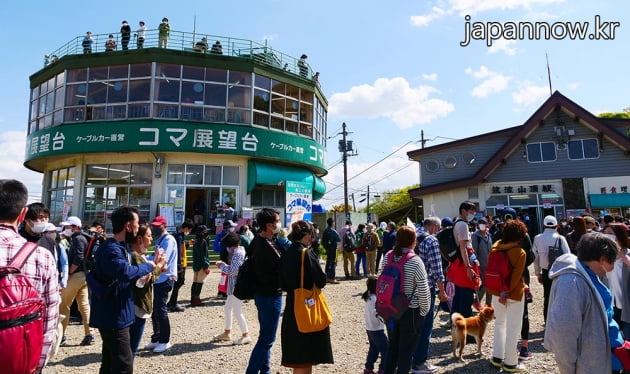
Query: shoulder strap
x,y
23,254
302,269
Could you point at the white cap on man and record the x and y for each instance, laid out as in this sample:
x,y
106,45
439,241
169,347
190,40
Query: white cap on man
x,y
550,221
71,221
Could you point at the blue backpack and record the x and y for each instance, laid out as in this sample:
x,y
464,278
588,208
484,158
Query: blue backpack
x,y
391,301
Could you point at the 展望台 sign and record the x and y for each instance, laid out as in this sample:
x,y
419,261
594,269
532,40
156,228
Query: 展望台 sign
x,y
299,198
169,136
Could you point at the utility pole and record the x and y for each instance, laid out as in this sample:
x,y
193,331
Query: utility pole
x,y
369,218
345,146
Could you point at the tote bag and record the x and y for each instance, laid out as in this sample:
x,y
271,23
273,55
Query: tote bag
x,y
458,274
310,307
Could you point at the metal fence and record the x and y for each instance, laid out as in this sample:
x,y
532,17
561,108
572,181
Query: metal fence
x,y
186,41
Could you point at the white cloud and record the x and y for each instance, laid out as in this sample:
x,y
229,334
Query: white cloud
x,y
270,37
12,147
493,82
503,45
528,94
424,20
391,98
430,77
573,86
471,7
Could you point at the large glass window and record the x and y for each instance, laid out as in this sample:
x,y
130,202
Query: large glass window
x,y
60,192
192,93
108,187
583,149
541,152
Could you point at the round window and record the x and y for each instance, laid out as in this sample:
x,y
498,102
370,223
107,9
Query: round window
x,y
432,165
450,162
469,158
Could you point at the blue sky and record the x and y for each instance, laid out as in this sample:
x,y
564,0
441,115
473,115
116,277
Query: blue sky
x,y
388,69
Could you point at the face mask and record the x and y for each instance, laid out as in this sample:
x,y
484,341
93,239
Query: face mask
x,y
129,237
38,227
277,228
157,232
482,226
470,217
67,232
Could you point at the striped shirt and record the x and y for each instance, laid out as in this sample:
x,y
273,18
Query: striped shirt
x,y
40,267
429,252
232,269
415,286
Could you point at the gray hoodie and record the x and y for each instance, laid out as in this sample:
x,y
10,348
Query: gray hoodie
x,y
577,325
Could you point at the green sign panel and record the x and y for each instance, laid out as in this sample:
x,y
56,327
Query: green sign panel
x,y
167,136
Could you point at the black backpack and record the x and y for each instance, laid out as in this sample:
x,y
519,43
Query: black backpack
x,y
89,259
327,239
348,241
449,248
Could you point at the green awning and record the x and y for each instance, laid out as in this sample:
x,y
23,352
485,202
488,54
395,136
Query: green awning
x,y
259,173
613,200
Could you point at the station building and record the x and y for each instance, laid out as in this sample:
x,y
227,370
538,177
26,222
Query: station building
x,y
169,127
561,161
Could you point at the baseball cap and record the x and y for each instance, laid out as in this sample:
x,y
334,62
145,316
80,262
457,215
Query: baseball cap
x,y
550,221
159,221
71,221
50,227
201,229
229,223
446,222
508,213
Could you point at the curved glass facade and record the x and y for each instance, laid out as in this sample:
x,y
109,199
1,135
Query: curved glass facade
x,y
176,92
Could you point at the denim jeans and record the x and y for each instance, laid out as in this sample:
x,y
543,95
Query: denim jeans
x,y
378,344
269,308
421,354
331,263
161,323
361,262
135,334
116,351
403,338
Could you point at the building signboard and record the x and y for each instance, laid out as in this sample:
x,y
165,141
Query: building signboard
x,y
168,136
299,198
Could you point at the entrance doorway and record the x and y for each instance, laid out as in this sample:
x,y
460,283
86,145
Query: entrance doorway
x,y
201,206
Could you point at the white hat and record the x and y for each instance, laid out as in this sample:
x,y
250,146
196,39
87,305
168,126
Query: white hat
x,y
550,221
71,221
49,227
229,223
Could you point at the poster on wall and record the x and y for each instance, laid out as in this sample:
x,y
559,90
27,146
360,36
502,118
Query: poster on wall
x,y
299,198
167,210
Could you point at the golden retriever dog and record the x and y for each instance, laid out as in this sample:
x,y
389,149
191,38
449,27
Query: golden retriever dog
x,y
473,326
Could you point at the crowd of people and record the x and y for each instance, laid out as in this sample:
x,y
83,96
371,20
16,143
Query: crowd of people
x,y
583,283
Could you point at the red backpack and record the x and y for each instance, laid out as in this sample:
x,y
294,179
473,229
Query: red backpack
x,y
391,301
21,317
498,271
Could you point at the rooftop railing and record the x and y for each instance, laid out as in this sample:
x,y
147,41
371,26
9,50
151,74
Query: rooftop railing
x,y
188,42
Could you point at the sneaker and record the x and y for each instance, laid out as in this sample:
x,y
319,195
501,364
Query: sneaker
x,y
524,355
151,346
424,369
242,340
496,362
162,347
222,337
518,368
63,341
88,340
176,308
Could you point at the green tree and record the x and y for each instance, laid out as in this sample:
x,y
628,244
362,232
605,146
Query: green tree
x,y
389,200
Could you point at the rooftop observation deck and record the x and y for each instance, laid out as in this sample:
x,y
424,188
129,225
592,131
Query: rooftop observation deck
x,y
187,42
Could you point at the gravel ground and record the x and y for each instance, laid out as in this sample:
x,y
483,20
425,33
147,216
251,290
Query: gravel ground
x,y
193,351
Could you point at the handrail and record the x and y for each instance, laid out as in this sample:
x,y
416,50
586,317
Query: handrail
x,y
185,41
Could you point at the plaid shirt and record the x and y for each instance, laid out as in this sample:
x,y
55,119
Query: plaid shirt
x,y
40,267
429,252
